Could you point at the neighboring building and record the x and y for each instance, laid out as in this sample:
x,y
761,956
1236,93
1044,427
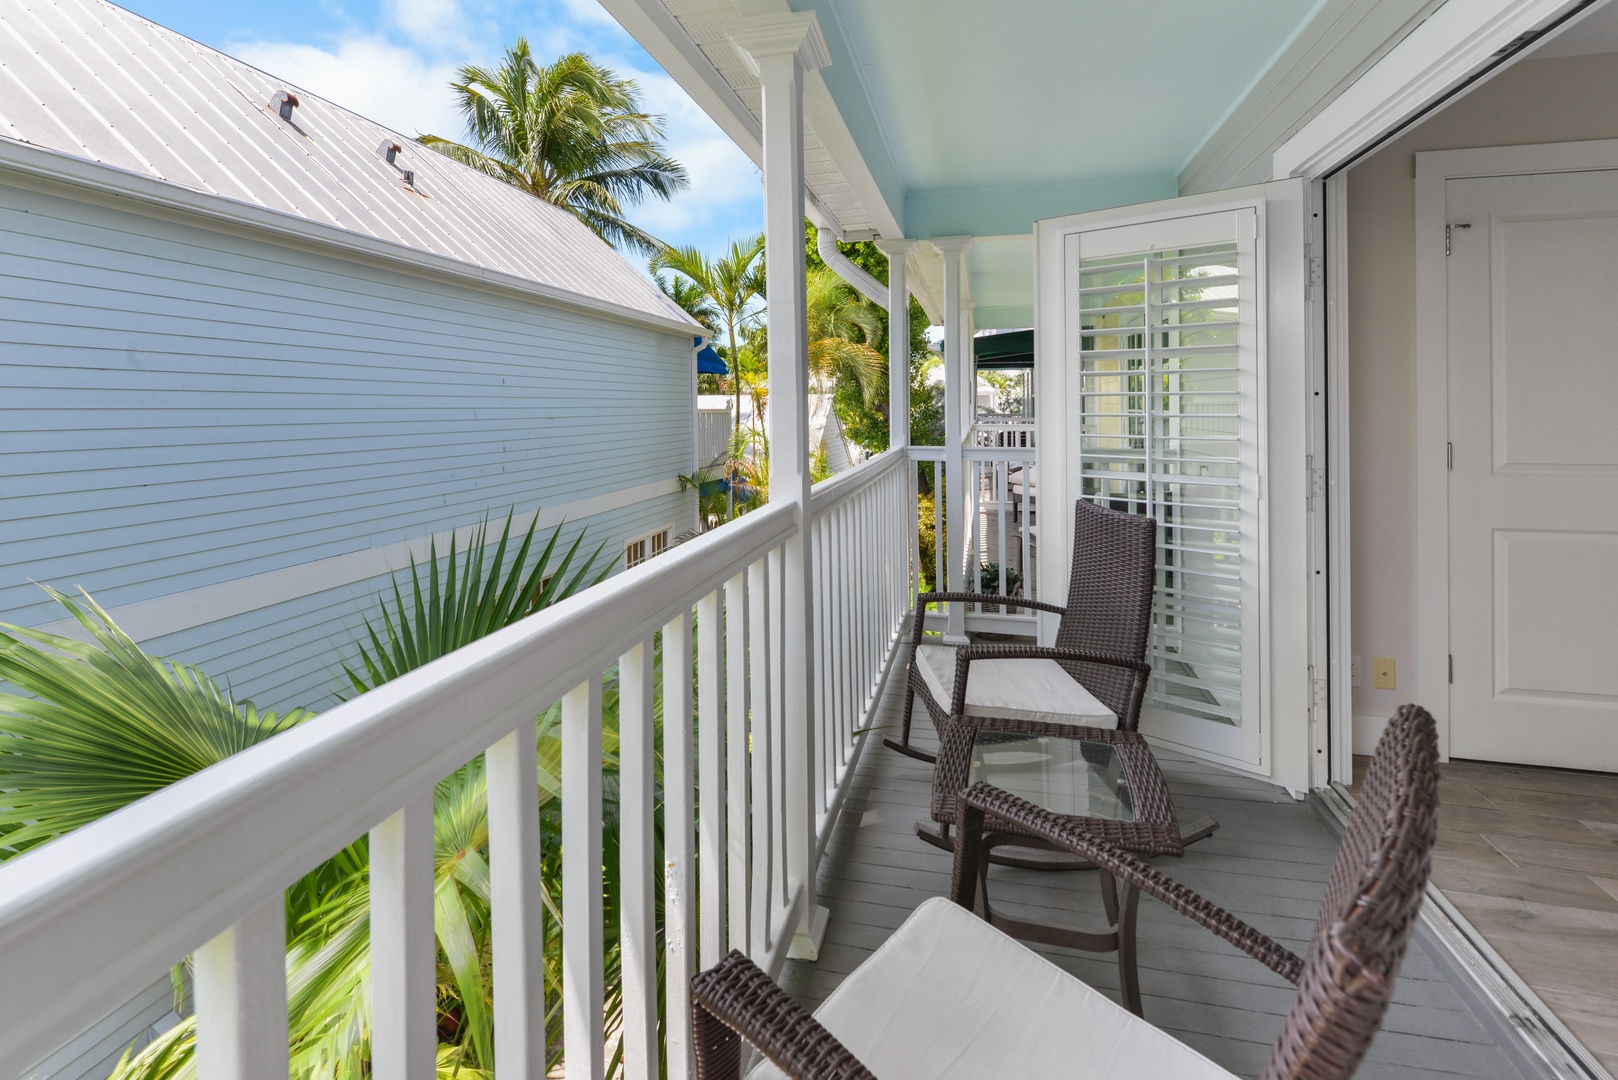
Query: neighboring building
x,y
259,350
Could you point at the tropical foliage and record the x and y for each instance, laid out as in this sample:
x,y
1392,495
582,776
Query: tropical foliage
x,y
730,288
106,724
572,133
100,724
471,600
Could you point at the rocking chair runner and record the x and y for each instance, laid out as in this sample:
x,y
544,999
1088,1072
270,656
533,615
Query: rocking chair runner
x,y
949,996
1100,649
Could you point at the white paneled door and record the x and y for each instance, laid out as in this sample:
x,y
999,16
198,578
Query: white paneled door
x,y
1533,485
1160,325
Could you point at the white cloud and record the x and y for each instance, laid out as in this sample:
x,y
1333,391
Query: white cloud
x,y
589,12
437,23
381,81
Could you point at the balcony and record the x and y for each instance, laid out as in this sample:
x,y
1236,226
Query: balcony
x,y
782,829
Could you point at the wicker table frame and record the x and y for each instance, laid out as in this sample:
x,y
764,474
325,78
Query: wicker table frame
x,y
1155,831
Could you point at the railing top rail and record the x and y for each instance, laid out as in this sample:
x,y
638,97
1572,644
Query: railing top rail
x,y
833,490
1000,453
96,915
927,453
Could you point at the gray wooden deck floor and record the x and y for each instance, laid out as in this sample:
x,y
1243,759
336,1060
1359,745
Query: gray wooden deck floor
x,y
1268,863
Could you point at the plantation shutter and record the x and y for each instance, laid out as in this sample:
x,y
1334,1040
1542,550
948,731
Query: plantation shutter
x,y
1167,426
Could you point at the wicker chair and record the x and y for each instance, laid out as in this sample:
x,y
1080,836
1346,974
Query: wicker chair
x,y
1100,640
948,996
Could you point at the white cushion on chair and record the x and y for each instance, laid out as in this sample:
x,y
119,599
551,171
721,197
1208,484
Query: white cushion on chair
x,y
1039,690
948,997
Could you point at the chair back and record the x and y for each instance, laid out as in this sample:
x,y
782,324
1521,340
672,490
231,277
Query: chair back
x,y
1109,602
1372,901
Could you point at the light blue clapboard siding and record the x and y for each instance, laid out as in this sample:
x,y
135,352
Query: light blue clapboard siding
x,y
292,654
186,406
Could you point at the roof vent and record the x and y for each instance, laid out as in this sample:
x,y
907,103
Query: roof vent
x,y
389,150
283,103
410,178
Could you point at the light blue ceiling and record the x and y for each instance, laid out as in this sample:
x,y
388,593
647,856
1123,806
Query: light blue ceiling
x,y
983,117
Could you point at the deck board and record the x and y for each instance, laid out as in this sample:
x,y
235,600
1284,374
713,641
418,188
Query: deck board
x,y
1268,863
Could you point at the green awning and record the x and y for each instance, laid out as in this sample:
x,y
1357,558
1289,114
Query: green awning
x,y
999,352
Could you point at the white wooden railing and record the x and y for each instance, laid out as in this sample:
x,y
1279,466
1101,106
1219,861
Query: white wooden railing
x,y
200,867
997,527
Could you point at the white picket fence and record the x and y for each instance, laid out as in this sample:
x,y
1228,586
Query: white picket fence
x,y
199,868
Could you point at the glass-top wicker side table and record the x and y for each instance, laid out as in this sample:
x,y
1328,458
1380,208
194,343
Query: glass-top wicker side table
x,y
1106,780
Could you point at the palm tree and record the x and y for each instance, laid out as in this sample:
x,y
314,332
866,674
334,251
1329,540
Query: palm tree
x,y
842,325
733,284
571,133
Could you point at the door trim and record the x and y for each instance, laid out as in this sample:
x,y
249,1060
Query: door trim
x,y
1455,43
1434,170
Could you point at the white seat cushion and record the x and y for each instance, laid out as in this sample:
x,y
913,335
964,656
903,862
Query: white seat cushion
x,y
948,996
1037,690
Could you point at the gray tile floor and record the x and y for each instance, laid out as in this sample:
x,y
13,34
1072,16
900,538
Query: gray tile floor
x,y
1530,857
1268,863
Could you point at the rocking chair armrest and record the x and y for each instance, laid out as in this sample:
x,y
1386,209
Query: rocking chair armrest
x,y
981,799
965,654
988,598
733,1000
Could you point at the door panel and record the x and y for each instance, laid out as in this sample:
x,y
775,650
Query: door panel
x,y
1533,493
1155,327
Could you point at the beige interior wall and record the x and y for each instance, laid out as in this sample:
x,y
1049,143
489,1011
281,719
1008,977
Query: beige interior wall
x,y
1534,101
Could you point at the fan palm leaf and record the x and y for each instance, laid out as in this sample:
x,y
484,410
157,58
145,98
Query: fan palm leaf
x,y
101,724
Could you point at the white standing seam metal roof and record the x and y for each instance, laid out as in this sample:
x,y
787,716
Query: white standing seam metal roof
x,y
90,80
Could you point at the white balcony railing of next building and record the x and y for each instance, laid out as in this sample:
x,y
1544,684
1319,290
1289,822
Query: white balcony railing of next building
x,y
751,786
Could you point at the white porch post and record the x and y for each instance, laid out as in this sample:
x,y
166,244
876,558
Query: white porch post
x,y
898,341
969,370
954,250
780,49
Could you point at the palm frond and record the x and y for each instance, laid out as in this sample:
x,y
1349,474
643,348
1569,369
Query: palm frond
x,y
466,595
101,723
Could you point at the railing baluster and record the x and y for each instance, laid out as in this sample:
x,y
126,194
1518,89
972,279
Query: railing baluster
x,y
404,952
711,800
778,732
761,702
679,835
240,991
583,980
1002,477
637,852
516,907
737,861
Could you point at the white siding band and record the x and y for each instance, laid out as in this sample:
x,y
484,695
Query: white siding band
x,y
163,615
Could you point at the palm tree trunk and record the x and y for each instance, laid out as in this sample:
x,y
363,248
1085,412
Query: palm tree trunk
x,y
736,421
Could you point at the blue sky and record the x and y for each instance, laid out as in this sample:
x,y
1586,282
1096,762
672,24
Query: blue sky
x,y
390,60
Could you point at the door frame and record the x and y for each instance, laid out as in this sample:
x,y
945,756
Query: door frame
x,y
1284,739
1434,170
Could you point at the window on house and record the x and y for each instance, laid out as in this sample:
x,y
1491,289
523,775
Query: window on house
x,y
645,547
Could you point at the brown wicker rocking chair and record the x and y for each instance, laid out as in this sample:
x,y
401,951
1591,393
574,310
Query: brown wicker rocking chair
x,y
948,996
1100,641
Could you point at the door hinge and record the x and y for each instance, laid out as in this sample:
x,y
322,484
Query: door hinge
x,y
1314,271
1317,483
1449,457
1452,668
1449,236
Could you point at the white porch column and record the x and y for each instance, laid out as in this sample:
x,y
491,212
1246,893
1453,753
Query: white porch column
x,y
954,249
780,49
898,341
969,369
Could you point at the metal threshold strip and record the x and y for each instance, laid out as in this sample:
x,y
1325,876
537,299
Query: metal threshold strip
x,y
1523,1024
